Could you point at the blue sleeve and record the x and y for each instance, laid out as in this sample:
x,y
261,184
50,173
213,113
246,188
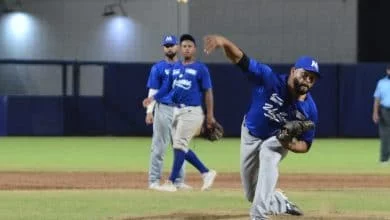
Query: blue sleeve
x,y
259,72
165,88
206,79
377,93
153,80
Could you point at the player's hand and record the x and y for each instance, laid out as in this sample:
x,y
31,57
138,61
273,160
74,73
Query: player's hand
x,y
149,118
375,118
147,101
212,42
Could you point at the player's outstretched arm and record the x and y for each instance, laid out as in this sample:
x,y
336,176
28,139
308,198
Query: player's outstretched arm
x,y
232,52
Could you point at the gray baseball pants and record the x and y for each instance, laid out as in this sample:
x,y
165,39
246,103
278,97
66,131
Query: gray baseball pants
x,y
384,134
187,121
259,161
162,129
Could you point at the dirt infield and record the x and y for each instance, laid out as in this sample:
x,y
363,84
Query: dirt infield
x,y
127,180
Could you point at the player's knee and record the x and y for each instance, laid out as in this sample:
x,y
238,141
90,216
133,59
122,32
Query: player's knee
x,y
179,147
158,152
266,155
180,144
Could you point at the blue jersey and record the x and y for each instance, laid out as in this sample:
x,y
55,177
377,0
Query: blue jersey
x,y
271,104
382,92
188,82
159,76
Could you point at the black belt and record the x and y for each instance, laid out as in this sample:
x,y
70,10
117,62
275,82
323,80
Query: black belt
x,y
385,108
178,105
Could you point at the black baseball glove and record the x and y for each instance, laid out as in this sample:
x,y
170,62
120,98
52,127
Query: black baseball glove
x,y
214,133
293,129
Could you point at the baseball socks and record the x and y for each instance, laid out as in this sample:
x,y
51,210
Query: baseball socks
x,y
178,160
191,157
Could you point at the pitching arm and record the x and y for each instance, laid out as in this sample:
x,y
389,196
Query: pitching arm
x,y
232,52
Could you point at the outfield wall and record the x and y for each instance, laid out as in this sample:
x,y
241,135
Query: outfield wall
x,y
343,96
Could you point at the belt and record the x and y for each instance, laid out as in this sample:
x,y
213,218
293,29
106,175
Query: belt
x,y
165,103
385,108
177,105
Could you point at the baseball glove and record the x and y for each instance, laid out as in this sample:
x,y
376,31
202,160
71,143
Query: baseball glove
x,y
214,133
293,129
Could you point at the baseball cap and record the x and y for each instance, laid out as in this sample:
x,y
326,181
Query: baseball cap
x,y
309,64
169,39
187,37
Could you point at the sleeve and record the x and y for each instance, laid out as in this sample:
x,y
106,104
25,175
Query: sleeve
x,y
377,93
255,70
205,78
165,88
153,80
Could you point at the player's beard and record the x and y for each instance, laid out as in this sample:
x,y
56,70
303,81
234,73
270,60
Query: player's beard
x,y
300,88
170,55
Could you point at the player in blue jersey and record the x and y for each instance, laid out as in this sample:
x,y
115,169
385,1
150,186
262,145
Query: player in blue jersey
x,y
190,84
160,115
276,100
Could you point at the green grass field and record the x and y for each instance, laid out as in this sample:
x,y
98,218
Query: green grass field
x,y
132,154
336,156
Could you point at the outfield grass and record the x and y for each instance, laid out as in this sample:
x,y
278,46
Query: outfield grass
x,y
132,154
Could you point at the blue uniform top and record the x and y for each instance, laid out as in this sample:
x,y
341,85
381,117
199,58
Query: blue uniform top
x,y
158,76
271,104
188,82
382,92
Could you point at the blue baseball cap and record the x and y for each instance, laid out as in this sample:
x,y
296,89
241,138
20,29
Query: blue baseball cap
x,y
309,64
169,39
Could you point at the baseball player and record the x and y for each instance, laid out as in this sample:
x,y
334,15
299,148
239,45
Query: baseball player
x,y
162,117
190,83
280,102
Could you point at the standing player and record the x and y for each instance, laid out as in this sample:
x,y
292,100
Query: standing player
x,y
279,102
162,118
381,115
190,82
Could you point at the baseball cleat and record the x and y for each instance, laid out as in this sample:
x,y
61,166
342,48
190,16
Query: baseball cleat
x,y
154,186
183,186
291,208
168,187
208,179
